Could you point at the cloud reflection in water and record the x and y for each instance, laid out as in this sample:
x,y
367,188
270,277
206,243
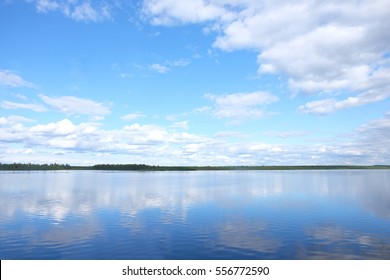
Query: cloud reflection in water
x,y
233,214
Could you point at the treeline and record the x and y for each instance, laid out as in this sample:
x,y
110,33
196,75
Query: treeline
x,y
144,167
141,167
31,166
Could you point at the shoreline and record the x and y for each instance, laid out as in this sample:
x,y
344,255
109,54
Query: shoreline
x,y
144,167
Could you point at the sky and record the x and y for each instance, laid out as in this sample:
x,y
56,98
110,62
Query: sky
x,y
200,82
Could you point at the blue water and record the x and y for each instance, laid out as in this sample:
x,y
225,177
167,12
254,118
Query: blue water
x,y
343,214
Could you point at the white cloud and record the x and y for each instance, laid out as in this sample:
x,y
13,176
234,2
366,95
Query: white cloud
x,y
373,140
44,6
159,68
131,117
20,96
154,144
143,134
14,119
75,105
285,134
60,128
241,106
181,124
229,134
169,12
14,106
85,12
126,75
179,62
77,10
169,64
367,144
330,105
332,46
11,79
64,134
318,46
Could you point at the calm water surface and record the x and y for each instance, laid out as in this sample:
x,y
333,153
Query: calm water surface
x,y
339,214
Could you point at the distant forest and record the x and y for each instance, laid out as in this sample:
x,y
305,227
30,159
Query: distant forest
x,y
144,167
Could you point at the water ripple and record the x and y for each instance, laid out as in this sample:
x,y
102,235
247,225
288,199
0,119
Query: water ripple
x,y
199,215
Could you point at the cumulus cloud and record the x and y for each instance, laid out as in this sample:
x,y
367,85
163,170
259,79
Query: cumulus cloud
x,y
75,105
170,145
11,79
61,128
240,106
77,10
333,47
132,139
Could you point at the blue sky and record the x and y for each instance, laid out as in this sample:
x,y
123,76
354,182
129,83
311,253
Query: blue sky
x,y
218,82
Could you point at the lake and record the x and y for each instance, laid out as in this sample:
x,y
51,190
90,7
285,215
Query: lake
x,y
312,214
